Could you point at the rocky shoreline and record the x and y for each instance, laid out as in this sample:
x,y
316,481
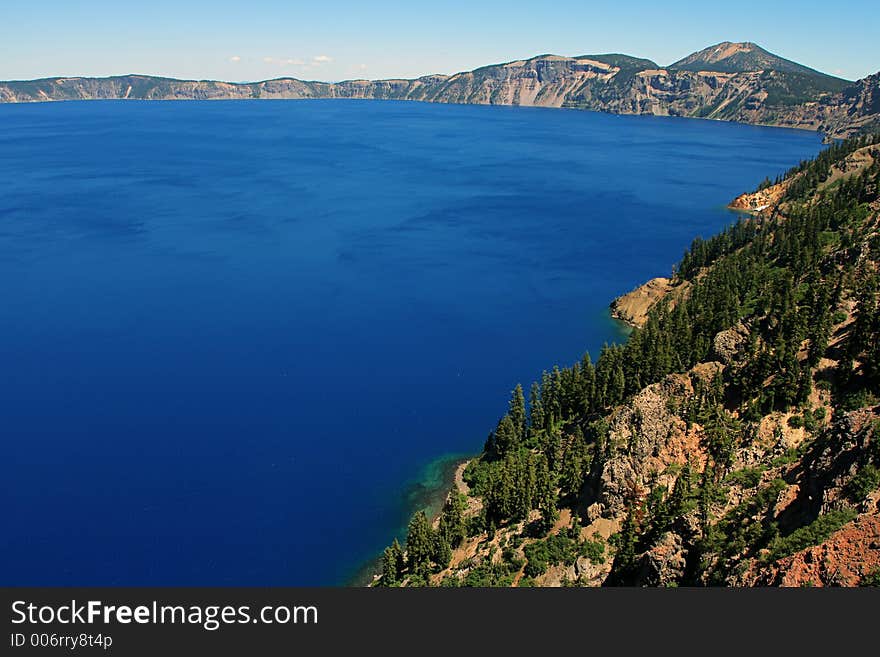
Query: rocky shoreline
x,y
633,307
428,494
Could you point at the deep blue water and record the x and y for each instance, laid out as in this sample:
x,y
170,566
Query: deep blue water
x,y
231,332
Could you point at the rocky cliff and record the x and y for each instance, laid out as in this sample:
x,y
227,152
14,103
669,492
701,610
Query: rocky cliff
x,y
730,81
633,307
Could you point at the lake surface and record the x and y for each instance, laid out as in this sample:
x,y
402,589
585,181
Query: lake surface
x,y
232,334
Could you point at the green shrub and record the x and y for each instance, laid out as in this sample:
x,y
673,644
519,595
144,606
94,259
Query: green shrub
x,y
476,474
512,558
791,455
747,477
536,565
853,401
475,525
813,534
809,421
871,579
866,481
553,550
593,550
486,574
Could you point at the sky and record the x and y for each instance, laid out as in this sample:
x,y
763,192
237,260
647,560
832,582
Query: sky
x,y
240,40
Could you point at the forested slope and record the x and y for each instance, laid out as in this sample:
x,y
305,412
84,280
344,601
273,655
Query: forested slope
x,y
734,439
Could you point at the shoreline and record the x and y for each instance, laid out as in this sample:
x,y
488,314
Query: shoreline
x,y
42,101
427,491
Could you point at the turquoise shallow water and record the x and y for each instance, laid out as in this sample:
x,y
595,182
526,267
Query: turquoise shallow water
x,y
232,334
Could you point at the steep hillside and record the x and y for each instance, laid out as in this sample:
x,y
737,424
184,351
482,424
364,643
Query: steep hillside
x,y
858,109
730,81
546,81
734,439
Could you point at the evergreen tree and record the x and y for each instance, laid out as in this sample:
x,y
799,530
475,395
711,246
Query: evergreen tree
x,y
536,410
545,495
517,412
442,551
506,437
452,526
625,558
419,543
573,471
399,561
392,564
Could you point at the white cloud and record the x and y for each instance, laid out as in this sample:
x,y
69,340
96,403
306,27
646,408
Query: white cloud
x,y
235,59
284,62
362,67
321,59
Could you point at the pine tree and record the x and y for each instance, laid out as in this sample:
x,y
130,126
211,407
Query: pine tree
x,y
517,412
442,551
397,551
545,495
506,437
419,543
392,562
625,557
573,469
588,385
523,474
618,386
451,525
705,498
536,410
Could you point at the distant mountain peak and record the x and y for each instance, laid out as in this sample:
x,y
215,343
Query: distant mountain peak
x,y
741,57
728,48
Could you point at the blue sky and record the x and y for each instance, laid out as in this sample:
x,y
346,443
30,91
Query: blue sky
x,y
333,40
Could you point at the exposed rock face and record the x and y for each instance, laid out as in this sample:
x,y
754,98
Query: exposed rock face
x,y
835,460
760,200
734,82
547,81
728,344
819,485
845,559
664,564
586,572
856,109
645,438
633,307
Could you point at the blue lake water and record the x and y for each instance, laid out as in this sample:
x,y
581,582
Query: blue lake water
x,y
233,333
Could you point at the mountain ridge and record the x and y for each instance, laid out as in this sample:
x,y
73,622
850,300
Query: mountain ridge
x,y
729,81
